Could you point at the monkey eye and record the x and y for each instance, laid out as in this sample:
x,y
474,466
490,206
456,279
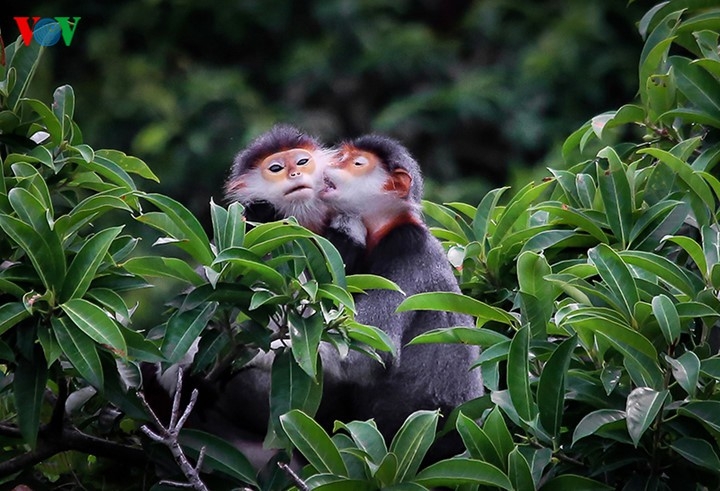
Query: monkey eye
x,y
275,168
303,161
360,161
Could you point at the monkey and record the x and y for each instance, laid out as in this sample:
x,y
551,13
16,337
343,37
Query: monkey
x,y
278,175
376,178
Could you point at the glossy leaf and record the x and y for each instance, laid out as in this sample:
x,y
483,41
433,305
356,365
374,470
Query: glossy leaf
x,y
707,412
518,375
10,314
28,384
477,442
80,350
519,471
667,317
220,455
363,282
643,405
367,437
86,263
455,471
455,302
412,442
617,198
183,329
576,483
686,370
460,335
94,322
594,421
551,387
305,333
616,275
163,267
313,443
697,451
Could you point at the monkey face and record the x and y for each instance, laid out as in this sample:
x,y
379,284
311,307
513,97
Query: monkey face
x,y
292,172
355,181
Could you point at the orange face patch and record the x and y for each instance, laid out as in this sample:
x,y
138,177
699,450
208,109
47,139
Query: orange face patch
x,y
287,164
356,162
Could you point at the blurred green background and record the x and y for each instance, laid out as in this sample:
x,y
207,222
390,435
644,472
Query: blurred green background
x,y
481,91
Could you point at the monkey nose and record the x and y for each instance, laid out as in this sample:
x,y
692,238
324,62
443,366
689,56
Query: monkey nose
x,y
295,174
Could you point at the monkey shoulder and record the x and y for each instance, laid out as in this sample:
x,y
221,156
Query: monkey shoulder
x,y
414,259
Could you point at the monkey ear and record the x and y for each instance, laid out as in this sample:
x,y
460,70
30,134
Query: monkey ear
x,y
400,181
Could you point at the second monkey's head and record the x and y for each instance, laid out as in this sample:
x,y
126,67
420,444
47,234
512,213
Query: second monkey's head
x,y
373,176
283,168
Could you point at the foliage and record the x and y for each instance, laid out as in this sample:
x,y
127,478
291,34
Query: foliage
x,y
474,87
595,293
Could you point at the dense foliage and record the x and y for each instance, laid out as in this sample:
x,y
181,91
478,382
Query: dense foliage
x,y
595,293
474,87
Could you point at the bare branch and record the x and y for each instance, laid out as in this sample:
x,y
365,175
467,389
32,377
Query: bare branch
x,y
293,477
168,436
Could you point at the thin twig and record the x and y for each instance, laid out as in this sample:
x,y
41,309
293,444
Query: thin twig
x,y
168,436
293,477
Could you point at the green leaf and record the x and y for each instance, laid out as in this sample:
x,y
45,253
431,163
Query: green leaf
x,y
80,351
234,232
305,333
477,442
686,370
697,85
363,282
313,443
193,238
183,328
367,437
220,455
665,270
667,317
576,483
164,267
88,210
577,218
594,421
128,163
455,302
519,471
694,182
412,442
485,214
337,294
692,248
10,314
42,247
94,322
518,375
29,381
617,197
615,273
86,263
64,107
460,335
643,405
707,412
456,471
537,294
496,429
291,388
551,387
699,452
50,120
518,205
371,336
24,61
251,262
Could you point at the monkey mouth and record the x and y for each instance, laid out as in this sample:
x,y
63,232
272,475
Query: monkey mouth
x,y
297,188
329,185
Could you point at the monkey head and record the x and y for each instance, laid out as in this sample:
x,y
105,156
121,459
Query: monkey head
x,y
373,175
283,168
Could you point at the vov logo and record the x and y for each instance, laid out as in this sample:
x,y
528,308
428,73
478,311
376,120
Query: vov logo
x,y
48,30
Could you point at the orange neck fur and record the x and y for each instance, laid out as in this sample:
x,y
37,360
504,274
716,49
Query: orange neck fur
x,y
375,236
